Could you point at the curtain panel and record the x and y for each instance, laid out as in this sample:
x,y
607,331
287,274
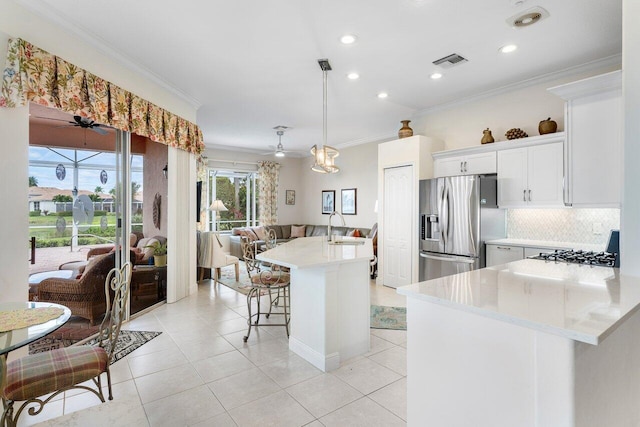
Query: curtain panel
x,y
268,192
34,75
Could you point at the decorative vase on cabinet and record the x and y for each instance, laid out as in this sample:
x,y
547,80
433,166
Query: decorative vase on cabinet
x,y
405,131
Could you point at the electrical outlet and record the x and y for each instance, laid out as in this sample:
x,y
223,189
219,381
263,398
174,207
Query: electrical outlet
x,y
596,228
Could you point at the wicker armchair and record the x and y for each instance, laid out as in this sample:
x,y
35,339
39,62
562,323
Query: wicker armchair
x,y
84,296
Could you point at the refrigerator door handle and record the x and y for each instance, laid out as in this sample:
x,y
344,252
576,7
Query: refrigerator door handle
x,y
448,258
444,216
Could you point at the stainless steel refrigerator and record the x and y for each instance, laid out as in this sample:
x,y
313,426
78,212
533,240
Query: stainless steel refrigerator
x,y
457,215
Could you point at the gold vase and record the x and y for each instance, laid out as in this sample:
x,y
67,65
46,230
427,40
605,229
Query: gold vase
x,y
487,138
405,131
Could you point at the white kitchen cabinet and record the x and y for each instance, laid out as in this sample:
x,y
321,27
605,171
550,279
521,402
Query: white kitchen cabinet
x,y
502,254
593,126
531,176
470,164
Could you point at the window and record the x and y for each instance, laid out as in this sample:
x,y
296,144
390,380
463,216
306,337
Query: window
x,y
238,191
36,206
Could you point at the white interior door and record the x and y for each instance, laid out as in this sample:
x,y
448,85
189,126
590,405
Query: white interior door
x,y
397,231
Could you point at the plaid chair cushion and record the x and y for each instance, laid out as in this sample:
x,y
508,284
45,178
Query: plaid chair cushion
x,y
42,373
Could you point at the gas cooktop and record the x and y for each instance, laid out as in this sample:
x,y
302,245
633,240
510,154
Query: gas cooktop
x,y
604,259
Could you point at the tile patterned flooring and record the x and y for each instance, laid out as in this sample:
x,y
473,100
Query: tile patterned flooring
x,y
199,372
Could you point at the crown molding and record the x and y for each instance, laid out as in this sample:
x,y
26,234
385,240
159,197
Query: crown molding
x,y
609,61
51,15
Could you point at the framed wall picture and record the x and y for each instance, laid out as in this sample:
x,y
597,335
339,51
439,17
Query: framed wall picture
x,y
328,201
290,198
349,201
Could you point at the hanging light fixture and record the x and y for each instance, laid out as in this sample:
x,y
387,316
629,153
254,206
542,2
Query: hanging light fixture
x,y
280,148
324,157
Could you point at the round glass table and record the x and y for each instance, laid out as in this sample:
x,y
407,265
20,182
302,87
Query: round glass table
x,y
17,338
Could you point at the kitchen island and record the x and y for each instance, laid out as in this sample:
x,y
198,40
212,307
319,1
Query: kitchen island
x,y
529,343
329,297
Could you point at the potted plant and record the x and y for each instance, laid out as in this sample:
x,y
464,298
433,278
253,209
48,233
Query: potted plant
x,y
159,253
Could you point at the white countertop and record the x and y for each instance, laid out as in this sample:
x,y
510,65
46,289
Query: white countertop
x,y
307,252
547,244
579,302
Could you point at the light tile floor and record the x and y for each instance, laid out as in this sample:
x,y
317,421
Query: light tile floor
x,y
199,372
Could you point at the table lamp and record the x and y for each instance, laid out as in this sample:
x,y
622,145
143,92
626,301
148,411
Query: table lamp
x,y
217,206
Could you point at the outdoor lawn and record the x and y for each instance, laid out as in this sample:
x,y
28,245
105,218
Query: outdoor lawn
x,y
46,229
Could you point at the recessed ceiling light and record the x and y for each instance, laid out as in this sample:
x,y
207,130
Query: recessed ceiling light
x,y
436,76
348,39
508,48
353,76
383,95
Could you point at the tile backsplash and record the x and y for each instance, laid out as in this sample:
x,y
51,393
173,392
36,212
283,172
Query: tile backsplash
x,y
562,225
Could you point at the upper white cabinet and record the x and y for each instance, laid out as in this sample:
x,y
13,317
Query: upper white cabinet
x,y
531,176
593,122
470,164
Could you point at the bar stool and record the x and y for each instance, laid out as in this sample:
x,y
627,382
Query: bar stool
x,y
265,282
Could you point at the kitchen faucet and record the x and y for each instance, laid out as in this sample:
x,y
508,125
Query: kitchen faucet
x,y
329,236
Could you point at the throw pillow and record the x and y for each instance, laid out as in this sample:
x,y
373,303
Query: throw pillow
x,y
132,240
142,243
251,236
261,232
148,252
251,233
92,262
298,231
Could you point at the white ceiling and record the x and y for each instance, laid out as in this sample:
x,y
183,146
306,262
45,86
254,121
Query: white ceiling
x,y
251,65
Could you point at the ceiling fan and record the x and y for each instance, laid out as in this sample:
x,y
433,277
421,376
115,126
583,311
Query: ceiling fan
x,y
82,122
279,150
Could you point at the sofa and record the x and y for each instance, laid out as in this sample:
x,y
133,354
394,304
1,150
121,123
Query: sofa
x,y
138,244
284,234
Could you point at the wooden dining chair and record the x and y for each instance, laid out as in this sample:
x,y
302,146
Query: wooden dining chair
x,y
271,283
39,378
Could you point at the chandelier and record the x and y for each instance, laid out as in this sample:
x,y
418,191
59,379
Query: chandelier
x,y
324,157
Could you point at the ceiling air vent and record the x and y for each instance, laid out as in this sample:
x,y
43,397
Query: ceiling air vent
x,y
527,17
450,60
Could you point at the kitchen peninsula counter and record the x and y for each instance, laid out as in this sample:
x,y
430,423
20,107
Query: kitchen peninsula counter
x,y
329,297
529,343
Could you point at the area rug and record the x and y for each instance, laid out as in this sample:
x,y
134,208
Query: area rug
x,y
128,341
388,317
228,278
63,337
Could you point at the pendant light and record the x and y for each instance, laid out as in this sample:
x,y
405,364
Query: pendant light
x,y
324,157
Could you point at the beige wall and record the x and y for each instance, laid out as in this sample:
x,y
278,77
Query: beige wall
x,y
358,169
155,159
19,22
461,125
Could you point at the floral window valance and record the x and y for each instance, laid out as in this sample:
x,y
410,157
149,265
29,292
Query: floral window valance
x,y
34,75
